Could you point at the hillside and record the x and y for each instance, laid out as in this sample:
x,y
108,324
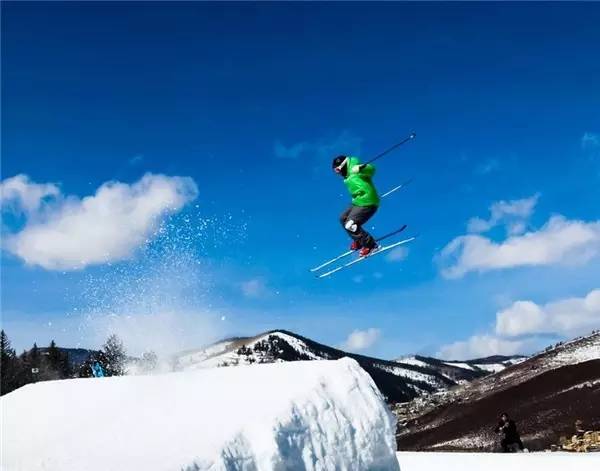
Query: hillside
x,y
545,394
463,370
399,382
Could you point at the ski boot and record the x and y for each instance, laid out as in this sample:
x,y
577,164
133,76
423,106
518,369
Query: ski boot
x,y
354,245
368,250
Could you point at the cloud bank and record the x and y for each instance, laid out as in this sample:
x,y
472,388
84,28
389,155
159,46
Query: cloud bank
x,y
21,195
559,241
345,142
512,213
69,233
590,141
520,327
397,255
361,339
254,288
568,317
479,346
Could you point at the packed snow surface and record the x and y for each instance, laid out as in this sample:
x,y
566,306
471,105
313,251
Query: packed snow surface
x,y
190,358
413,375
412,361
586,352
313,415
464,366
434,461
491,367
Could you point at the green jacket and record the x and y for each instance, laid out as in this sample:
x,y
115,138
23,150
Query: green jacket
x,y
360,185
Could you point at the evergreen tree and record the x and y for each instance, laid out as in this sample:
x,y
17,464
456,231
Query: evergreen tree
x,y
114,351
5,347
53,356
57,363
65,368
25,375
35,362
149,361
34,356
8,365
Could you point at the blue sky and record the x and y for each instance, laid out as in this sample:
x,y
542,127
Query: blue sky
x,y
248,103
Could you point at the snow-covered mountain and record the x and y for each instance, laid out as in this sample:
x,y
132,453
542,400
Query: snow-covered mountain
x,y
545,394
398,381
461,371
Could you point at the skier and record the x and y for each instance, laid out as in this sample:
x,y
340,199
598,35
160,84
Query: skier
x,y
365,201
97,370
511,439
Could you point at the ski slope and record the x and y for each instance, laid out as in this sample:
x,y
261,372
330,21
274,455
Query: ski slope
x,y
313,415
434,461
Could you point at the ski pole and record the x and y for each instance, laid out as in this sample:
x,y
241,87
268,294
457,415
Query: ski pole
x,y
390,149
396,188
379,239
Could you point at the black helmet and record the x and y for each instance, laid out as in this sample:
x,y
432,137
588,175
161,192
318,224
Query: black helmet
x,y
340,165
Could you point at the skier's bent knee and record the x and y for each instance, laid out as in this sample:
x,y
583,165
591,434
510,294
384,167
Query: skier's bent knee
x,y
351,226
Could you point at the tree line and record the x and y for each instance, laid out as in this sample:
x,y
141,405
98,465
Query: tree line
x,y
53,363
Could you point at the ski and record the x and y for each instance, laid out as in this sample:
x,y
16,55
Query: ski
x,y
360,259
349,252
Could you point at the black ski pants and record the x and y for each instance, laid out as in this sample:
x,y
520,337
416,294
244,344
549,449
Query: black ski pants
x,y
353,219
511,445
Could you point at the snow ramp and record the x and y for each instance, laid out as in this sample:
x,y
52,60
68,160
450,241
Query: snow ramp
x,y
313,415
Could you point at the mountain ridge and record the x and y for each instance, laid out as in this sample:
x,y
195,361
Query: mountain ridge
x,y
399,382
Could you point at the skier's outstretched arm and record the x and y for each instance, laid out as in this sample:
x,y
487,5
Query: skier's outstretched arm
x,y
364,169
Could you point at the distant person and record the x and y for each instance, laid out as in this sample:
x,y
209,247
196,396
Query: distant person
x,y
511,440
97,370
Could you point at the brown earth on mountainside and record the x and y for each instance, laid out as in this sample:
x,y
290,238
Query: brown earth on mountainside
x,y
544,408
545,395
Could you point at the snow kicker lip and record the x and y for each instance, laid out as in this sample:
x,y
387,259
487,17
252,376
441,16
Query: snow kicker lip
x,y
282,423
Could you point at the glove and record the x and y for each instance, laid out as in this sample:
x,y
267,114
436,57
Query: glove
x,y
357,168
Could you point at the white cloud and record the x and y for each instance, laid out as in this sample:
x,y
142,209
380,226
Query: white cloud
x,y
398,254
105,227
522,327
481,346
136,159
487,167
559,241
590,143
20,194
567,317
513,213
361,339
344,143
590,140
290,152
254,288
